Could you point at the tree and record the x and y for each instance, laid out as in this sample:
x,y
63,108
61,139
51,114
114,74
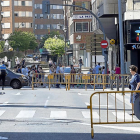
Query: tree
x,y
51,35
2,46
22,41
55,45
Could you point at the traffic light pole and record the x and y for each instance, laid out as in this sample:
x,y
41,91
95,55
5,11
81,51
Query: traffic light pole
x,y
105,54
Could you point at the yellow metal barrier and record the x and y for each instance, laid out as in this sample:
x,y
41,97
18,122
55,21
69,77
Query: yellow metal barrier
x,y
107,93
96,80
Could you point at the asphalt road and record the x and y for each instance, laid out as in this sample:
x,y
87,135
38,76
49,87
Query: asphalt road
x,y
58,114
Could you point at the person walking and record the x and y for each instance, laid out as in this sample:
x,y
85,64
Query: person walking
x,y
80,62
9,64
117,69
134,84
2,74
97,68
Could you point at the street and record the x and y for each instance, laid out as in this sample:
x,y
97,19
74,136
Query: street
x,y
58,114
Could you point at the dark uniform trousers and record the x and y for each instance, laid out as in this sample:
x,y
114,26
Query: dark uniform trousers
x,y
2,77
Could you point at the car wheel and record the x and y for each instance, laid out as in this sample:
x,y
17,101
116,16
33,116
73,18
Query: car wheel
x,y
16,84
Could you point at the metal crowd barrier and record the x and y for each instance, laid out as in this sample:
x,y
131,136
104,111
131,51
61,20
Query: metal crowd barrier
x,y
101,81
105,111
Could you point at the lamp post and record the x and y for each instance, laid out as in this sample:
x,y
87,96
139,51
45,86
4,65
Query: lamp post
x,y
65,31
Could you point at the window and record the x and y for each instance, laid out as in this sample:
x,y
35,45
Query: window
x,y
5,36
35,15
6,14
53,26
22,14
28,14
48,26
82,27
41,26
41,15
6,25
5,3
22,3
28,25
28,3
36,26
16,25
38,6
16,14
56,7
82,4
15,3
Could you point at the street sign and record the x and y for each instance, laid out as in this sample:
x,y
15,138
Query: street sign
x,y
104,44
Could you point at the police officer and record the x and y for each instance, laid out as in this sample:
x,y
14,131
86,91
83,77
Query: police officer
x,y
2,74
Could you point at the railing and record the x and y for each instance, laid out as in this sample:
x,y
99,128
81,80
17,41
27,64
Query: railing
x,y
95,80
105,112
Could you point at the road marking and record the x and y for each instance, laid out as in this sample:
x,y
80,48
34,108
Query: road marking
x,y
120,115
26,114
1,112
86,115
3,138
135,129
46,103
18,93
5,103
93,105
58,114
84,94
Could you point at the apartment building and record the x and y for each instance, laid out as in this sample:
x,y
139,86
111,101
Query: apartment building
x,y
45,23
0,21
108,10
17,15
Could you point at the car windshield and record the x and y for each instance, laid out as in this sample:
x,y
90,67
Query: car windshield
x,y
67,70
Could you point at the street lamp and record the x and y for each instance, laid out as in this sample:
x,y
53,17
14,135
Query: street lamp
x,y
65,31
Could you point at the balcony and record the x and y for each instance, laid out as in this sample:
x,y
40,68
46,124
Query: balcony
x,y
107,8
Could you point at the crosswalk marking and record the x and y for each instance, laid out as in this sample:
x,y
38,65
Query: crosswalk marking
x,y
26,114
1,112
58,114
86,114
120,115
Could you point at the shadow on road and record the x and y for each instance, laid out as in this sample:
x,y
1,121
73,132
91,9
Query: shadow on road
x,y
67,136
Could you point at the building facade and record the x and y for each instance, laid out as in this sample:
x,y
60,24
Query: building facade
x,y
0,21
45,23
80,26
131,27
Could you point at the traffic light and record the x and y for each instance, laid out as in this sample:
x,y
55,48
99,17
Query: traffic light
x,y
45,7
68,42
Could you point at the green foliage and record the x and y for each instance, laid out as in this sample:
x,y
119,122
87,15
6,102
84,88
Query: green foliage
x,y
55,45
22,41
51,35
1,46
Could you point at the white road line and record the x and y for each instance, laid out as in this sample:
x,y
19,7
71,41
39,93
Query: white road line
x,y
58,114
87,104
120,115
46,103
81,94
26,114
86,115
3,138
1,112
5,103
18,93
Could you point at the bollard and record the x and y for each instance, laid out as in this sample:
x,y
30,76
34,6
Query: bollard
x,y
122,83
117,83
111,82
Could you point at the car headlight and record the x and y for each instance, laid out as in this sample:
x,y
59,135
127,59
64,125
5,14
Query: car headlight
x,y
24,77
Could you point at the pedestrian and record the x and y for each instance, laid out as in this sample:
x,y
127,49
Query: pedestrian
x,y
103,70
50,62
17,61
72,72
80,62
117,69
9,64
134,84
2,74
23,62
79,78
23,70
97,68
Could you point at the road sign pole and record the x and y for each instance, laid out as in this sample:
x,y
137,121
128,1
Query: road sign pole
x,y
121,36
